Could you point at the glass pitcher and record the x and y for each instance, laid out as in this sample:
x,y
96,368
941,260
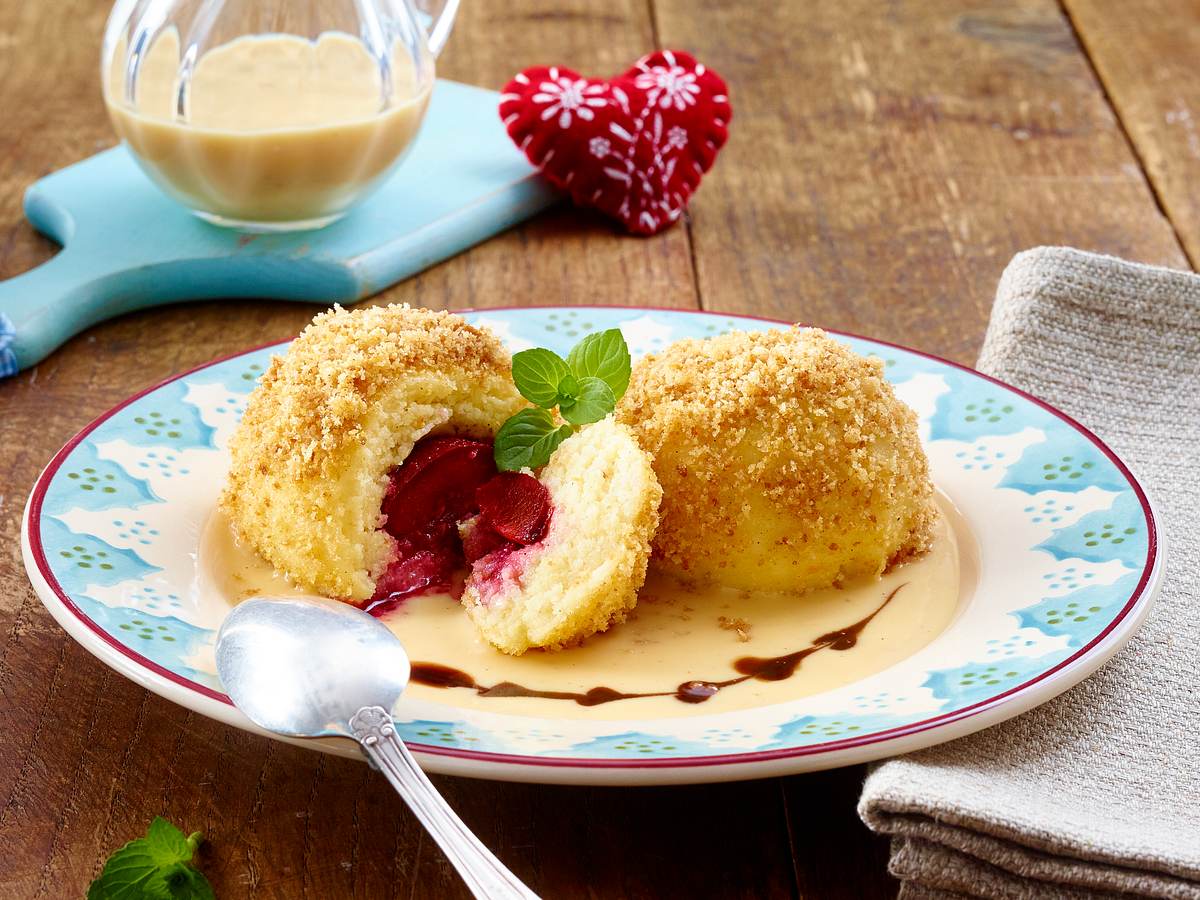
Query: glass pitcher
x,y
271,115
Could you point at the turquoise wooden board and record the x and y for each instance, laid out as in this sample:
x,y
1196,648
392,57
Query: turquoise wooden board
x,y
127,246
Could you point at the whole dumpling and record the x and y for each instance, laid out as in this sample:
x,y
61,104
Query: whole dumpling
x,y
786,461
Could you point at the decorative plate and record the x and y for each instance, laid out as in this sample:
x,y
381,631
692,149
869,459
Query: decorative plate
x,y
1069,564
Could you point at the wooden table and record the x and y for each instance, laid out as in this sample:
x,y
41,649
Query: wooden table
x,y
886,161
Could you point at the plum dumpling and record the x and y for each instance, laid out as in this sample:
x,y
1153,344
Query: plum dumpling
x,y
786,461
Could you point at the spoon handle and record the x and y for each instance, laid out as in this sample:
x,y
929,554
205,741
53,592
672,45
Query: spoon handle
x,y
485,875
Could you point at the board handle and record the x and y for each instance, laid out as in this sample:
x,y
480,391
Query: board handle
x,y
42,308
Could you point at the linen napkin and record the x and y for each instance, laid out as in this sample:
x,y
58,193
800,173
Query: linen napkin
x,y
1096,793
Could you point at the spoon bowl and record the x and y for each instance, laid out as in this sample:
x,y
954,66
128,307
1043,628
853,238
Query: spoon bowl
x,y
303,667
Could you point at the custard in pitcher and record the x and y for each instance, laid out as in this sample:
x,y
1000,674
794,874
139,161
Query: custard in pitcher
x,y
266,131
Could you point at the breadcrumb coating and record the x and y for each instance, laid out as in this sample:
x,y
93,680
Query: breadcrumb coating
x,y
332,417
786,461
584,576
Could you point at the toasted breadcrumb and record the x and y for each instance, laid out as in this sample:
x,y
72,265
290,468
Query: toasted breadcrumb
x,y
740,626
786,461
331,418
584,576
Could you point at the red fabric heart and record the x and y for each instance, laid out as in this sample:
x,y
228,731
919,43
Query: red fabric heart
x,y
634,146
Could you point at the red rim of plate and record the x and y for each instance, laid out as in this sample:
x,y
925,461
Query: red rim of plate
x,y
35,542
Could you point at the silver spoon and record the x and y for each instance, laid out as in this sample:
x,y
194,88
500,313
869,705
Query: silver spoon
x,y
309,668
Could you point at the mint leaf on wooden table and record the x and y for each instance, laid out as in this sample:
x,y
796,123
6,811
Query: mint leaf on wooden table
x,y
603,355
155,867
527,440
538,375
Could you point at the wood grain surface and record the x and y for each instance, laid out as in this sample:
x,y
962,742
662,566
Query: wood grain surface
x,y
886,161
889,159
1143,52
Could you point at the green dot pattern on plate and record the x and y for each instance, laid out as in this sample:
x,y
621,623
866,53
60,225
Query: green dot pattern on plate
x,y
715,328
568,323
438,733
1070,612
828,729
88,479
144,630
989,675
157,424
991,410
1065,468
1107,534
650,745
81,559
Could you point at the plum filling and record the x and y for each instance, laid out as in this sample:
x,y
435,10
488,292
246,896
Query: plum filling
x,y
514,513
445,481
515,506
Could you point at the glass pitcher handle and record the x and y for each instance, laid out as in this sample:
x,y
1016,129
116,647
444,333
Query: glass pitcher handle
x,y
437,16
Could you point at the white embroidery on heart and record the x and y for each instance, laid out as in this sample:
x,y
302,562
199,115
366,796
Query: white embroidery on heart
x,y
652,182
620,132
566,98
622,99
639,160
667,86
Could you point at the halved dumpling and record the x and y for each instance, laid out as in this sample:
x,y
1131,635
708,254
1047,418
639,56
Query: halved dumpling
x,y
333,417
585,573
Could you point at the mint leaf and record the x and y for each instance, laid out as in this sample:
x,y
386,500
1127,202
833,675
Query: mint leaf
x,y
167,843
157,866
527,439
568,389
180,882
537,373
594,401
585,387
603,355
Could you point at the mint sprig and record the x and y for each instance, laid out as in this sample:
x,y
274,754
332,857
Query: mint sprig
x,y
593,400
155,867
603,355
585,387
527,440
537,373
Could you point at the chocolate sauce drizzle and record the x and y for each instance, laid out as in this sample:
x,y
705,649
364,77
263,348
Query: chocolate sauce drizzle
x,y
771,668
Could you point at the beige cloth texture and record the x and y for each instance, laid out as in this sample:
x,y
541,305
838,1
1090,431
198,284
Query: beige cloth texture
x,y
1097,792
